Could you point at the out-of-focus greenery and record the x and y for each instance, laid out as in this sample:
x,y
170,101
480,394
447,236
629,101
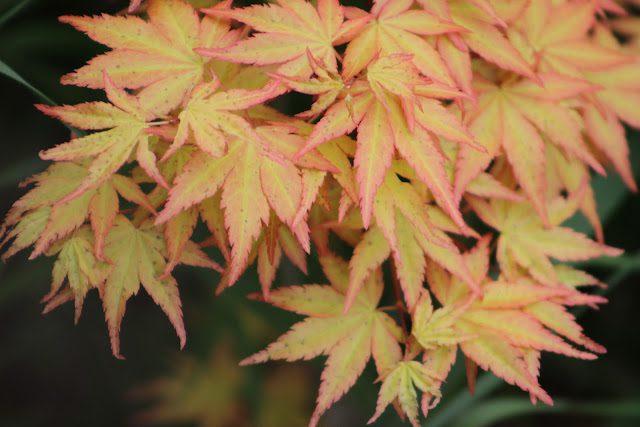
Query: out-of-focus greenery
x,y
54,374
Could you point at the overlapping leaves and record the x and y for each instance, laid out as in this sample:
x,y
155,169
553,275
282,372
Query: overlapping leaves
x,y
427,116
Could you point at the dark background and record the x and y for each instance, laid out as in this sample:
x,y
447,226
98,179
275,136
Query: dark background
x,y
54,374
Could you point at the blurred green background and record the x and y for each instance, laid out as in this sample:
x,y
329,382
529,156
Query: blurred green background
x,y
54,374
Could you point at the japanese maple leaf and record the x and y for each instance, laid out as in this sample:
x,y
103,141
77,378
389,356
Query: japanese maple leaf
x,y
208,116
180,249
394,109
156,56
212,215
401,384
82,270
136,255
502,331
325,85
611,105
42,217
518,117
252,184
571,176
555,38
274,240
484,23
245,206
396,28
277,240
404,231
78,267
134,5
525,242
349,340
611,6
92,257
484,184
110,149
438,362
628,27
285,32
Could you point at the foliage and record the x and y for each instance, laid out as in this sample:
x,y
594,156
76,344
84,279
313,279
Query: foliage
x,y
440,134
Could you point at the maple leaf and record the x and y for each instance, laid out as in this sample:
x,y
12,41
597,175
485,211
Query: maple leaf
x,y
397,89
519,117
126,122
349,340
286,31
439,362
212,215
484,23
627,26
572,176
405,231
400,384
396,28
326,85
422,111
156,56
134,5
116,277
611,6
556,38
608,108
177,233
607,133
136,254
277,239
246,205
525,242
252,183
77,264
208,117
498,331
42,216
436,328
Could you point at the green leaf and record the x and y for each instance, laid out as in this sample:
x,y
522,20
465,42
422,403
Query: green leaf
x,y
13,11
491,412
9,72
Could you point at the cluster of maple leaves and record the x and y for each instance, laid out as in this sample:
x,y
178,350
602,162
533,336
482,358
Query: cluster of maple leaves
x,y
428,117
